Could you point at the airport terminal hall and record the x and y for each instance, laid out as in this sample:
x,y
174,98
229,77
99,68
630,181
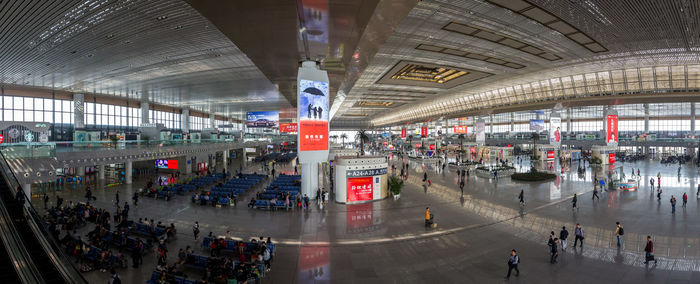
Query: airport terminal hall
x,y
349,141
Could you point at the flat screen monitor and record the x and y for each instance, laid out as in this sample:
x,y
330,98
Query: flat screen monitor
x,y
167,164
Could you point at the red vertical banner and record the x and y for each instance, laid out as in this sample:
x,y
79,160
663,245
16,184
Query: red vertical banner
x,y
611,158
612,129
424,132
403,132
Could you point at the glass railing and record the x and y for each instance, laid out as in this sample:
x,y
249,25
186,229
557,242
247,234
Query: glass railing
x,y
45,150
50,245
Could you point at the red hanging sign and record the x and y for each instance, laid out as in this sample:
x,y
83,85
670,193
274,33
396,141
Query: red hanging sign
x,y
1,138
423,132
460,129
403,132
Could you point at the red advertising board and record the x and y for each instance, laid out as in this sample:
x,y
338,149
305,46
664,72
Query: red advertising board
x,y
288,127
313,135
2,139
423,132
611,158
612,129
359,189
460,129
550,155
403,132
431,146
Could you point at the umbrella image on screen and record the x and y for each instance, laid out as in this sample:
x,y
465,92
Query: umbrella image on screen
x,y
313,91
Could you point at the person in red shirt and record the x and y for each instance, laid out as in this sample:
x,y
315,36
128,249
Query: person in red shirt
x,y
649,251
685,199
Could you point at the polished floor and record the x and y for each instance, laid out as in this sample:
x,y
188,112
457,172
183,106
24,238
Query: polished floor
x,y
386,242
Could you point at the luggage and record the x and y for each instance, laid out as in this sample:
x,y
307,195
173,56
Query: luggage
x,y
650,257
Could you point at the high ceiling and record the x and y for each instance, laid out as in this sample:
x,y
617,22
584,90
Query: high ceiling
x,y
389,61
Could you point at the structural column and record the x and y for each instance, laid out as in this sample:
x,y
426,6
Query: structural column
x,y
80,171
646,118
27,188
491,124
144,108
101,169
185,121
569,125
211,117
79,111
692,119
128,168
309,179
512,123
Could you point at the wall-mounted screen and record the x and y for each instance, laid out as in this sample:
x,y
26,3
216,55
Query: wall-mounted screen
x,y
262,119
167,164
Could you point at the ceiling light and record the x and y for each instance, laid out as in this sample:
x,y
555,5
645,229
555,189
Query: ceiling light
x,y
109,36
160,18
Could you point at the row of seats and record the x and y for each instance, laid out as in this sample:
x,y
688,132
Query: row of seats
x,y
143,229
116,239
267,204
232,245
155,276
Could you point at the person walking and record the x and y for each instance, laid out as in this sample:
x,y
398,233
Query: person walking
x,y
673,204
521,197
563,235
685,199
658,194
425,176
461,186
578,235
116,197
573,202
195,230
595,193
698,193
619,231
46,201
555,251
649,251
513,261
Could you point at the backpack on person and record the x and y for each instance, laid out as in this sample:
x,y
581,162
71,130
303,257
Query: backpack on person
x,y
116,279
621,231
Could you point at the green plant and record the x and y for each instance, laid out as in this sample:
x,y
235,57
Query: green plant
x,y
146,139
362,135
395,185
596,160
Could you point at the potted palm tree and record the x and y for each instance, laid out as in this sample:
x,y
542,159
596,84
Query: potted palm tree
x,y
395,186
362,135
343,137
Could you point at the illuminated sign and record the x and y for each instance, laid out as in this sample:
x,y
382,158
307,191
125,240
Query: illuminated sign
x,y
460,129
432,147
359,189
1,138
403,132
424,132
313,115
550,154
612,129
288,127
611,158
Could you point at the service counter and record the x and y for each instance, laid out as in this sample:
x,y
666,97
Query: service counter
x,y
360,179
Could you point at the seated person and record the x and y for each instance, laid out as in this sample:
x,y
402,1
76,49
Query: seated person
x,y
251,204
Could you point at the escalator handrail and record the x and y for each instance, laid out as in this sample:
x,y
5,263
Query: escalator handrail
x,y
63,263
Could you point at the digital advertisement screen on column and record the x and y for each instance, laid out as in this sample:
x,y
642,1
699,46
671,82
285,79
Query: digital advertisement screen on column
x,y
612,128
359,189
313,115
262,118
167,164
480,131
555,130
403,133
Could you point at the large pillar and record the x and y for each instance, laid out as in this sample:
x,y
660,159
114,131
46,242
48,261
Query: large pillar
x,y
491,124
569,124
144,108
101,169
512,123
79,111
646,118
185,121
79,171
309,179
27,188
188,166
128,168
692,119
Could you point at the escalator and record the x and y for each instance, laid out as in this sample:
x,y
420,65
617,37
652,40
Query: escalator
x,y
27,243
9,274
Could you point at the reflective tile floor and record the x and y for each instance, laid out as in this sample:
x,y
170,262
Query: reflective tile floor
x,y
386,241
